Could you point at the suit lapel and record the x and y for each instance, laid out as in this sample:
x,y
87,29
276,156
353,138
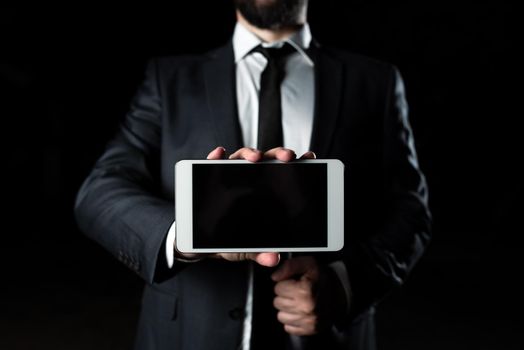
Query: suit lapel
x,y
328,90
219,74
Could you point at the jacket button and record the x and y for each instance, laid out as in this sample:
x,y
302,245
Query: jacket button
x,y
236,313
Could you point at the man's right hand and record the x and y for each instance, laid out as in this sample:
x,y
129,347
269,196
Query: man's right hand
x,y
252,155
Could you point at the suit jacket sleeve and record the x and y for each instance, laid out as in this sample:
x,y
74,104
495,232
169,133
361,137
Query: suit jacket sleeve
x,y
383,261
119,205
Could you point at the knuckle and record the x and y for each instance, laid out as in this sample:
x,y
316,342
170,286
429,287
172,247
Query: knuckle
x,y
278,288
305,291
309,308
277,303
307,285
291,330
300,331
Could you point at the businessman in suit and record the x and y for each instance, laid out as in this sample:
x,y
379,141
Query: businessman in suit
x,y
332,105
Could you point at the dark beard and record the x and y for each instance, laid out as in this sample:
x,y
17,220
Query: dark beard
x,y
271,14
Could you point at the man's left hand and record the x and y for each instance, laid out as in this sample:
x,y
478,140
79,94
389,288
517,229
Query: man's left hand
x,y
308,299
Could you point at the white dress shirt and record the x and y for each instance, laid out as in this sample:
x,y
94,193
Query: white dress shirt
x,y
298,102
297,90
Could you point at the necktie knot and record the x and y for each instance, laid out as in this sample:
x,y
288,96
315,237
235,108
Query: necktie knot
x,y
275,54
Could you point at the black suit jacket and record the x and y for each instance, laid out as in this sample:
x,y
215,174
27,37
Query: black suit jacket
x,y
186,107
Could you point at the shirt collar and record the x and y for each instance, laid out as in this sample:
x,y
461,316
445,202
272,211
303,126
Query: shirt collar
x,y
244,41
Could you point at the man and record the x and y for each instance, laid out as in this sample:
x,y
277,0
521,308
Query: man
x,y
333,105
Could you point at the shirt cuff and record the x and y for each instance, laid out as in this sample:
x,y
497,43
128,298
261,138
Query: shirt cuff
x,y
170,249
170,245
340,270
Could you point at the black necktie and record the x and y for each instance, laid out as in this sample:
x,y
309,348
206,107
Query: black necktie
x,y
266,331
270,110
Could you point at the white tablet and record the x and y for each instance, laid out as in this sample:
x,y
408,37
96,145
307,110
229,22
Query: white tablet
x,y
270,206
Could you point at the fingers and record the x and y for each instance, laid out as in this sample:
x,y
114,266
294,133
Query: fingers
x,y
284,304
280,153
290,318
301,266
286,289
309,155
296,320
298,317
306,329
294,296
217,153
250,154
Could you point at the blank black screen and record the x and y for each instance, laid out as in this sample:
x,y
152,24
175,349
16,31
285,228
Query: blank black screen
x,y
259,205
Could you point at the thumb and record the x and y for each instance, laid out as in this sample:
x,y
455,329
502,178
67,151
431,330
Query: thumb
x,y
267,259
291,268
264,259
217,153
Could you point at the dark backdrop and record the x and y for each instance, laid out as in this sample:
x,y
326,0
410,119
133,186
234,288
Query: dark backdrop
x,y
66,77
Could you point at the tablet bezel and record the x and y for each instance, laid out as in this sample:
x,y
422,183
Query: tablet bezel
x,y
184,207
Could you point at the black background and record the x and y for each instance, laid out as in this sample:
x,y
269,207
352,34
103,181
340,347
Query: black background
x,y
66,77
